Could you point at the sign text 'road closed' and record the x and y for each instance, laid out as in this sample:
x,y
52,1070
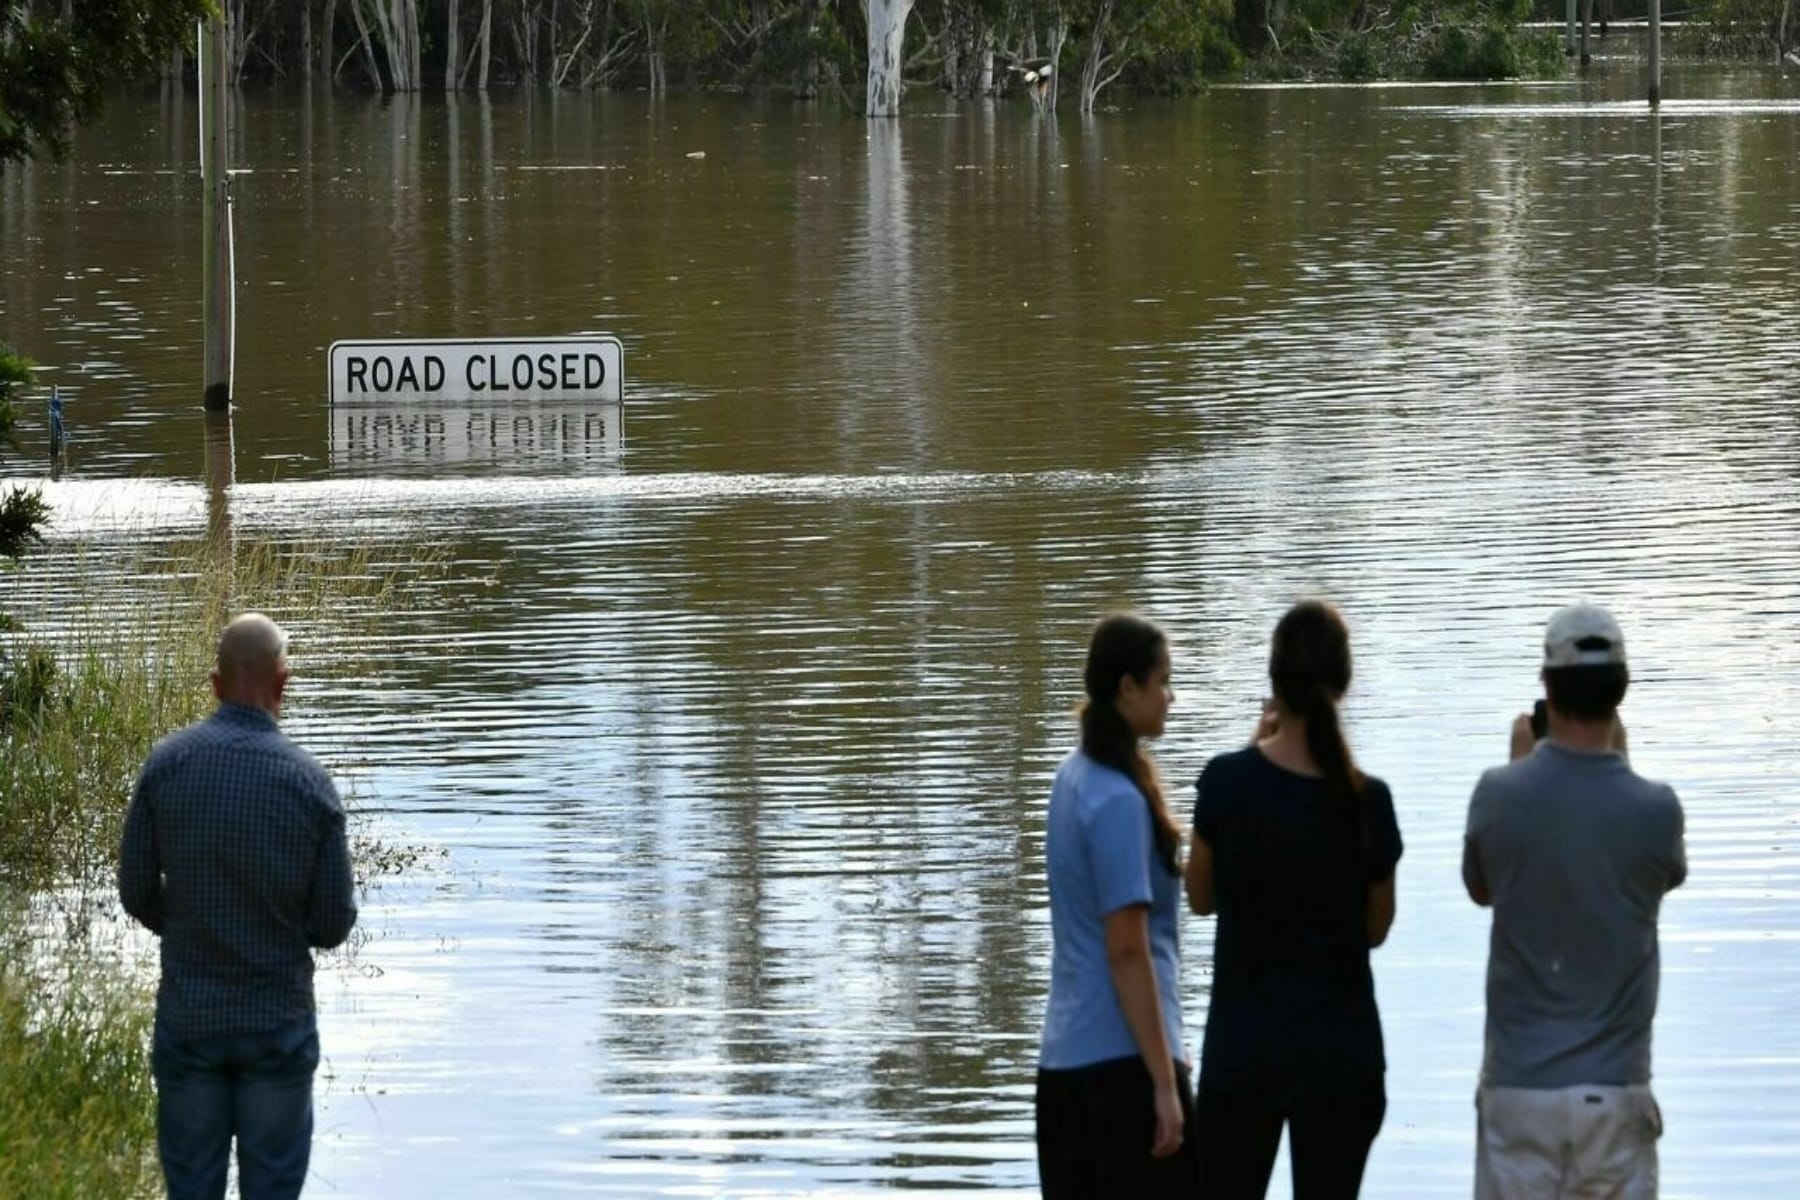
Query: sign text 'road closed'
x,y
575,369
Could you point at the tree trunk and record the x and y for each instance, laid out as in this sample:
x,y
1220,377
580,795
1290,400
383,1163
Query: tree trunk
x,y
237,41
525,31
984,80
1091,82
887,40
400,28
806,83
1059,37
368,51
653,54
452,47
487,42
327,32
306,40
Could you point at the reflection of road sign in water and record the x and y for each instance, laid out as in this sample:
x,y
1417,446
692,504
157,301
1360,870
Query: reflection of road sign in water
x,y
484,371
437,435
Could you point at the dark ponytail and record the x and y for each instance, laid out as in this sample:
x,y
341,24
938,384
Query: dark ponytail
x,y
1126,644
1309,668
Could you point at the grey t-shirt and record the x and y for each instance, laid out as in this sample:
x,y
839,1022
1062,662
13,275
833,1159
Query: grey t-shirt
x,y
1576,851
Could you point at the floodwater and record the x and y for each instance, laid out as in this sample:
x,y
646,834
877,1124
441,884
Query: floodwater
x,y
734,727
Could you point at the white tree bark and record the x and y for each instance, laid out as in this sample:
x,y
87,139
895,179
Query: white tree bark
x,y
327,55
452,47
887,40
362,40
487,42
1097,57
400,30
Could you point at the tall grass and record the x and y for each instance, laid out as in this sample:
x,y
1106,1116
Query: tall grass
x,y
77,1108
124,663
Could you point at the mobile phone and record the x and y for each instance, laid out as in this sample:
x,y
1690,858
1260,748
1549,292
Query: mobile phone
x,y
1540,720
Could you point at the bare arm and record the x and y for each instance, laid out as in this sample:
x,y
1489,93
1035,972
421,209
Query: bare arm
x,y
1134,979
1381,910
1199,877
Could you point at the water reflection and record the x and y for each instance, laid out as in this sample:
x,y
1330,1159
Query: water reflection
x,y
440,439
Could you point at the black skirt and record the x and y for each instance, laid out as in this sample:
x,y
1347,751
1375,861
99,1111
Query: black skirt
x,y
1095,1126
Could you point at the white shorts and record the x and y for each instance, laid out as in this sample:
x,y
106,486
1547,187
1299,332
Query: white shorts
x,y
1579,1143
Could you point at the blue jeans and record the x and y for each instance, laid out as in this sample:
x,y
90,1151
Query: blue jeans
x,y
257,1089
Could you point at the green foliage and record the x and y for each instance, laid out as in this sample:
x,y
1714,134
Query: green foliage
x,y
57,61
1756,29
77,1106
23,514
25,686
1180,45
1358,58
15,374
1491,50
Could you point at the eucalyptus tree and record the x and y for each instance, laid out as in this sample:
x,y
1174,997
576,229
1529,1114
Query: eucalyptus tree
x,y
886,21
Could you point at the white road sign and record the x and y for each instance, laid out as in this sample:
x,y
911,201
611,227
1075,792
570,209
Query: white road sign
x,y
485,371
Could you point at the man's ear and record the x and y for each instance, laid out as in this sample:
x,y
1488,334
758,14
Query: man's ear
x,y
218,686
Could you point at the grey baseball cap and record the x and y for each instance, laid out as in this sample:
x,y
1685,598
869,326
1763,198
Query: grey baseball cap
x,y
1583,635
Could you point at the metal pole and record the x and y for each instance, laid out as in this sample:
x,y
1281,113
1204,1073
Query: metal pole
x,y
1587,21
215,170
1569,37
1655,53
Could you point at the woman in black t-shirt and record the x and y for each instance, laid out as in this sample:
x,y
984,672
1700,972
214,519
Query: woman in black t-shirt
x,y
1295,849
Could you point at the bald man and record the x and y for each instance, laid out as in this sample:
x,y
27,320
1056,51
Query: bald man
x,y
235,855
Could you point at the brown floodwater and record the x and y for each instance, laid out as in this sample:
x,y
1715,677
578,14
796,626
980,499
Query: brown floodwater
x,y
734,726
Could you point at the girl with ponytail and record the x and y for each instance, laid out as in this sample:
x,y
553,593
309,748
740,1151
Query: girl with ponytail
x,y
1294,848
1115,1112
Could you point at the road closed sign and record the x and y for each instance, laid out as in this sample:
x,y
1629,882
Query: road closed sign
x,y
579,370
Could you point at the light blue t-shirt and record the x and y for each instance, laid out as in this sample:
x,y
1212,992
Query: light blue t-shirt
x,y
1102,857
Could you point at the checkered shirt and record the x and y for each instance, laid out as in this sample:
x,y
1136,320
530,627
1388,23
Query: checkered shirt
x,y
235,855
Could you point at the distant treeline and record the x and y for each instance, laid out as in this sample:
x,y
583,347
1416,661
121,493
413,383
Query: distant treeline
x,y
879,49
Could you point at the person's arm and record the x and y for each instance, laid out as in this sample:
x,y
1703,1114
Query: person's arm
x,y
1473,880
1523,740
1678,864
1380,910
331,908
1199,877
1134,979
140,862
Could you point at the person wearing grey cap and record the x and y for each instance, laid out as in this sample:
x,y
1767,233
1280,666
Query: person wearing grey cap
x,y
1573,851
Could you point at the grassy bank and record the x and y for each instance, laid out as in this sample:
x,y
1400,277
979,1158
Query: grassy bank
x,y
77,1107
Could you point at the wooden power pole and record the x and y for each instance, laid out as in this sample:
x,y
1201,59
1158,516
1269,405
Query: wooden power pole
x,y
1655,53
215,171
